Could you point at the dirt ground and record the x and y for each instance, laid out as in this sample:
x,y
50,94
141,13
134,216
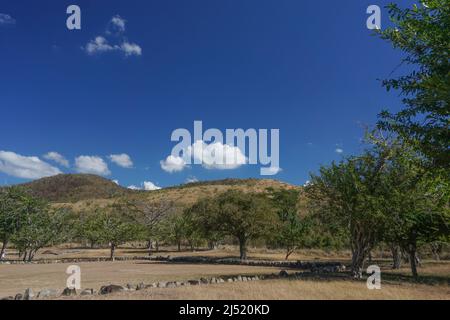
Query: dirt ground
x,y
16,278
287,289
434,281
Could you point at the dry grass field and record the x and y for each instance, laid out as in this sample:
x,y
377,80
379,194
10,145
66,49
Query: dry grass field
x,y
433,284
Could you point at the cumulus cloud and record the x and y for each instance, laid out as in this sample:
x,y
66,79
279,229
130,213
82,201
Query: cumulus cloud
x,y
91,164
56,157
116,25
173,164
6,19
123,160
25,167
191,179
211,156
146,185
130,49
339,150
100,44
217,155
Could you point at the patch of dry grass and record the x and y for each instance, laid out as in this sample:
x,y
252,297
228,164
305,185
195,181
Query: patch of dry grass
x,y
288,290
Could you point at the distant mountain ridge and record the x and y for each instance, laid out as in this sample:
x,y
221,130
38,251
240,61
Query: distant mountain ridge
x,y
85,188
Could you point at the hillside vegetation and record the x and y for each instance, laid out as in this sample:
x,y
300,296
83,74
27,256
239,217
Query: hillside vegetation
x,y
82,190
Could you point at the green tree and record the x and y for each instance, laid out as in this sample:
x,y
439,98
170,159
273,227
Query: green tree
x,y
292,230
40,226
245,216
423,34
12,207
117,227
345,196
416,203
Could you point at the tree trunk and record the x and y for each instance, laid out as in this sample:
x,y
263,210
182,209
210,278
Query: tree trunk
x,y
5,242
289,251
412,259
243,248
436,249
179,246
358,257
157,246
396,257
113,248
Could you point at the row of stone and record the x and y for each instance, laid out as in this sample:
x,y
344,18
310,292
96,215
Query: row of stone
x,y
112,288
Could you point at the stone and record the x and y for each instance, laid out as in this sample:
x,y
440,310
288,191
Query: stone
x,y
87,292
239,278
29,294
130,287
193,282
47,293
18,296
112,288
204,281
283,274
230,280
161,284
69,292
141,286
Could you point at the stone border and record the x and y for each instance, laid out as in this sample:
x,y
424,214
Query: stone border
x,y
112,288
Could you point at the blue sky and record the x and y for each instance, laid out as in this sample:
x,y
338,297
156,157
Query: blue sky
x,y
308,68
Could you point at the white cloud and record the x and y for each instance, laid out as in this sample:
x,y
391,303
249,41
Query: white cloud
x,y
116,25
191,180
339,150
91,164
6,19
56,157
212,156
217,155
101,45
25,167
123,160
98,45
130,49
173,164
148,185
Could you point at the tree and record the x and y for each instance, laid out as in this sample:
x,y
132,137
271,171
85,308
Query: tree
x,y
12,207
292,228
245,216
89,227
416,203
150,215
423,34
199,215
116,226
345,196
40,226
